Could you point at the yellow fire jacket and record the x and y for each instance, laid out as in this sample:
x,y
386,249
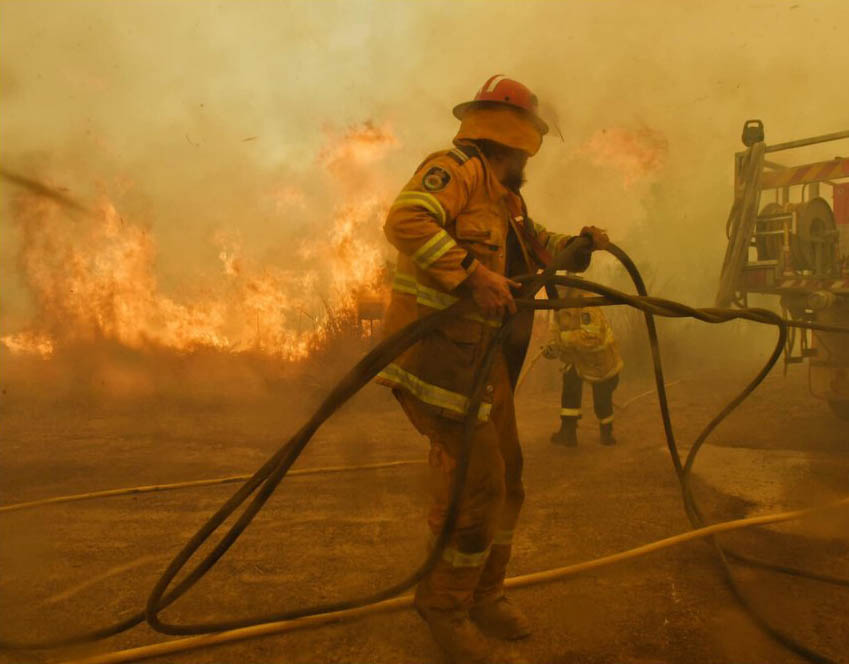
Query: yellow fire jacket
x,y
451,215
584,340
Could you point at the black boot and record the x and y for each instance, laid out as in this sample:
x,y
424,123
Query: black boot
x,y
607,434
568,434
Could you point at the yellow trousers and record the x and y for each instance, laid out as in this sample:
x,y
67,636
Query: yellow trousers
x,y
474,563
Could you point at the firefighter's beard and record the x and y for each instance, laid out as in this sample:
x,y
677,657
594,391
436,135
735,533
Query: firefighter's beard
x,y
514,178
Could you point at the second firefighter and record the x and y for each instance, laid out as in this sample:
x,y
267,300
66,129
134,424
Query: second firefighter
x,y
583,340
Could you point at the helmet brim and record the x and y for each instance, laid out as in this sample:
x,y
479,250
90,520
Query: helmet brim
x,y
538,122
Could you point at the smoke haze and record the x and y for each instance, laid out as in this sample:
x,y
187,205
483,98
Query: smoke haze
x,y
206,126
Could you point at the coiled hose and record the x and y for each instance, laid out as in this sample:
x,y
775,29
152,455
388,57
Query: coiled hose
x,y
264,481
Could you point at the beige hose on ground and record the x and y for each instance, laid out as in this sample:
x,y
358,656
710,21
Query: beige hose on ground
x,y
209,640
195,483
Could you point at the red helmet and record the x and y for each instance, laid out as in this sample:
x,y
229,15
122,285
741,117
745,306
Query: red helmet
x,y
499,89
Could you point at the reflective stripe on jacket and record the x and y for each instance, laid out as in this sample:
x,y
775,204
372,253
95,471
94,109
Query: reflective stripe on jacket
x,y
452,215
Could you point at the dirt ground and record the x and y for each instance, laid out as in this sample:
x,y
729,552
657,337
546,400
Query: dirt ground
x,y
323,537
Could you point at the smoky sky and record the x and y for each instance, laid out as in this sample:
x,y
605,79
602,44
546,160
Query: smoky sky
x,y
184,113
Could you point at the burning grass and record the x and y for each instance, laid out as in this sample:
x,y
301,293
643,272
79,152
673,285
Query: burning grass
x,y
92,273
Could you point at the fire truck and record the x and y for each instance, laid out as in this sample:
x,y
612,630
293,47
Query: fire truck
x,y
788,237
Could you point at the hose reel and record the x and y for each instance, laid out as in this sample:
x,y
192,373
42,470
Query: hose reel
x,y
802,237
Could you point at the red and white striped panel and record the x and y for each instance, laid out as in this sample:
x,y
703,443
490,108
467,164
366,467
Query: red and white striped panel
x,y
824,170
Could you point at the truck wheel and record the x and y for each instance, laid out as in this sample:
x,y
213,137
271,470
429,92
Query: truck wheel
x,y
840,408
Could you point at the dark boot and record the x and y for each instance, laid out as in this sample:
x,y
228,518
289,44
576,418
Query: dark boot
x,y
568,434
607,434
457,635
501,619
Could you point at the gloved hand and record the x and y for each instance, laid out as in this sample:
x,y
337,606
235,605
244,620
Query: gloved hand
x,y
598,236
550,351
491,291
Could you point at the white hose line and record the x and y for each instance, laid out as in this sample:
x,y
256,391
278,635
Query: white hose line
x,y
645,394
93,580
152,488
209,640
526,370
195,483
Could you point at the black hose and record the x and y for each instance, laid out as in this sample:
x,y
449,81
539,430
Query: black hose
x,y
683,473
658,306
363,372
266,479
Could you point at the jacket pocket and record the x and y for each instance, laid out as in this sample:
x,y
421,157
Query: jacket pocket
x,y
473,235
462,331
448,356
482,241
470,230
444,351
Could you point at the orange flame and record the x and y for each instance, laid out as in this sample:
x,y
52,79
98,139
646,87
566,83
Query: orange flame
x,y
359,146
94,278
29,342
635,153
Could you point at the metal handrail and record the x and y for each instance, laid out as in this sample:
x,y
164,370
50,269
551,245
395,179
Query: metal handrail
x,y
802,142
808,141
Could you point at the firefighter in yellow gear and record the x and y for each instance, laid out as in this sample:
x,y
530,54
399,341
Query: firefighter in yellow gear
x,y
461,229
583,340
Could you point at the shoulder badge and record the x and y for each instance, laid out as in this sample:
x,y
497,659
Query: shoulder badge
x,y
436,179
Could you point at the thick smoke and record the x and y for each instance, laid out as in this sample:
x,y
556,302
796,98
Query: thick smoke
x,y
220,131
